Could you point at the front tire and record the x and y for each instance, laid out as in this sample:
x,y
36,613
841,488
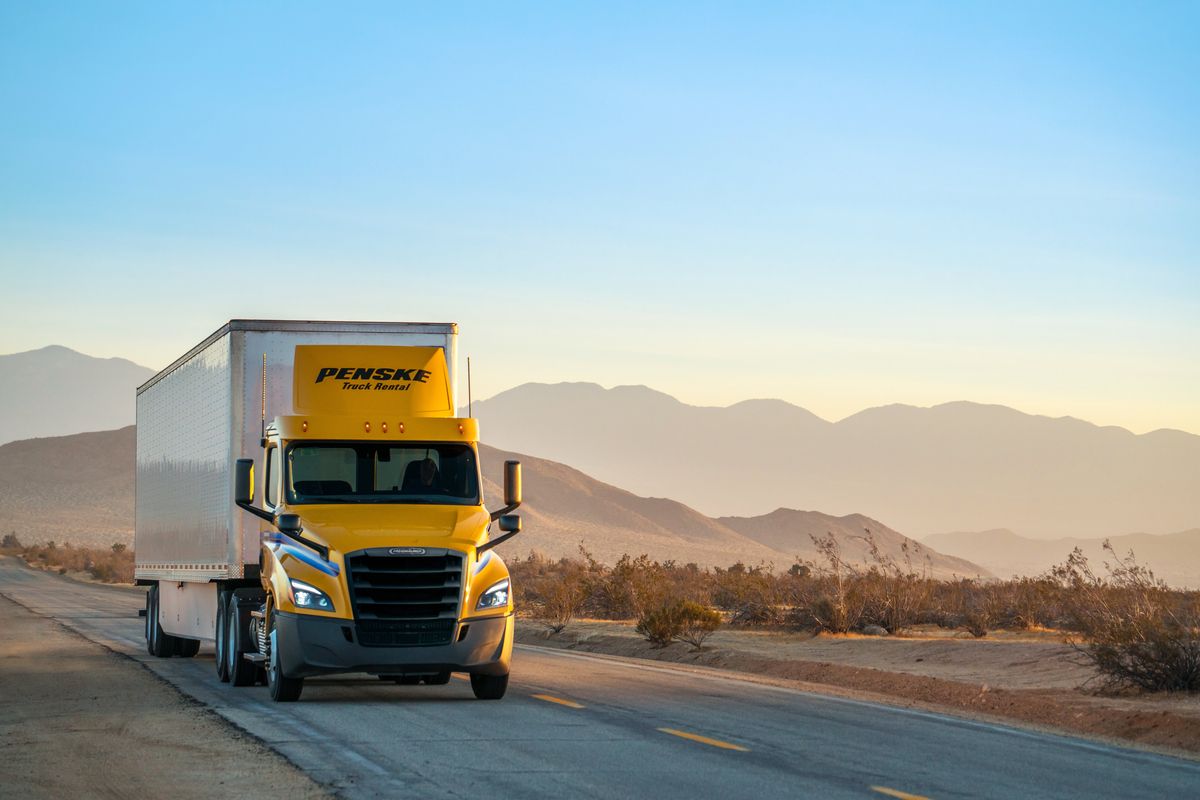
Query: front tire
x,y
440,679
489,687
221,657
282,688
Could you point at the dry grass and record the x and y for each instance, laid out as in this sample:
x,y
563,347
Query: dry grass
x,y
112,564
1130,626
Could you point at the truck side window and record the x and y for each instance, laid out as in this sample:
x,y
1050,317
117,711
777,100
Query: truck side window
x,y
272,478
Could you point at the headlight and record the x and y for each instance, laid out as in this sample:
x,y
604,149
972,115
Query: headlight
x,y
305,596
495,597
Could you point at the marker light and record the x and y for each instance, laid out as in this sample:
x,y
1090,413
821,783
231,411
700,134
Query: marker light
x,y
384,425
367,427
402,427
460,427
304,426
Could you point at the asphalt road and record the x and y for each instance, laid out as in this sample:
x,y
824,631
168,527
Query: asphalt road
x,y
575,725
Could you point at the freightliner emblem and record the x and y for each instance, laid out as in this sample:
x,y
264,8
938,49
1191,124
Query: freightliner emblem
x,y
407,551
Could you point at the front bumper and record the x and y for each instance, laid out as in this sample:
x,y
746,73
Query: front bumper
x,y
311,645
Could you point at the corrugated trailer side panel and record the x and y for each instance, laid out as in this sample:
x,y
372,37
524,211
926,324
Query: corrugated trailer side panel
x,y
184,492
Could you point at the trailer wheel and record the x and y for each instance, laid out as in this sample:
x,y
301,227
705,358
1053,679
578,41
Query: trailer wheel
x,y
186,648
221,657
282,688
240,671
159,644
489,687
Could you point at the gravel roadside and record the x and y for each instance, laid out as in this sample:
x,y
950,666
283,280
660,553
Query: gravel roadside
x,y
79,721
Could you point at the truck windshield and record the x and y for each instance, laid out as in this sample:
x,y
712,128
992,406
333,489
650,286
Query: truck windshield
x,y
382,472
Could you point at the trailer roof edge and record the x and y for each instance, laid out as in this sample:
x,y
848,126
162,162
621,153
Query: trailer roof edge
x,y
330,326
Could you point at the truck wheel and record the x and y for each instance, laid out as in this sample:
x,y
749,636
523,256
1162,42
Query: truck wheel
x,y
440,679
159,644
240,671
221,658
186,648
489,687
282,688
149,620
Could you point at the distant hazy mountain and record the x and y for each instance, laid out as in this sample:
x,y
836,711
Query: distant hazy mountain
x,y
792,531
56,391
564,507
76,488
958,466
79,489
1174,557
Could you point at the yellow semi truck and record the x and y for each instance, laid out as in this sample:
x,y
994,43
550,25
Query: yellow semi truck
x,y
309,501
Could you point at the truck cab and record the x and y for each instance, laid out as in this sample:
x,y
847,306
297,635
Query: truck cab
x,y
373,544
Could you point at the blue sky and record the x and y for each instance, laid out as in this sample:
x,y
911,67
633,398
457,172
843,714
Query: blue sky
x,y
841,205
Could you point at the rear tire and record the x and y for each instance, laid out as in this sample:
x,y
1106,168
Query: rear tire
x,y
158,643
240,671
282,688
186,648
221,657
489,687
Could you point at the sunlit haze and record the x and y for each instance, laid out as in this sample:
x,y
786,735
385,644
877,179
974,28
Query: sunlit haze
x,y
996,204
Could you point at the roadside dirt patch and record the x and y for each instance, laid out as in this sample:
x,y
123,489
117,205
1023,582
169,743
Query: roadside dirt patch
x,y
79,721
1031,679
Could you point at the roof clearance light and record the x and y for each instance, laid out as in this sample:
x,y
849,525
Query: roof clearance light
x,y
384,425
367,427
402,427
460,427
304,426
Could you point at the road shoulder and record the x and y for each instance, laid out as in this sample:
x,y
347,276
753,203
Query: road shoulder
x,y
77,720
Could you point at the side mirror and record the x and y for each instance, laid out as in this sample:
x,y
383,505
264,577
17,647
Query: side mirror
x,y
288,523
510,523
512,484
243,481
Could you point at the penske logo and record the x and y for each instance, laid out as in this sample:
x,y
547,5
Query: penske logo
x,y
373,374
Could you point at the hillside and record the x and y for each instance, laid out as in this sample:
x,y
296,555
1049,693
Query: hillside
x,y
76,488
56,391
1174,557
565,507
80,489
957,466
791,531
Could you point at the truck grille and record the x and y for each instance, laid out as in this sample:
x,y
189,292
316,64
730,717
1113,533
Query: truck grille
x,y
405,587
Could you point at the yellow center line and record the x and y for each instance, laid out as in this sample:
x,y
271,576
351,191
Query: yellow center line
x,y
695,737
549,698
898,793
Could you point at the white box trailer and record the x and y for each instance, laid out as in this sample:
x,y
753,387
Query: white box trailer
x,y
195,419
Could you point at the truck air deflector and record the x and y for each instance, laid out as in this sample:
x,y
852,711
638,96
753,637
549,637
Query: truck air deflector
x,y
301,554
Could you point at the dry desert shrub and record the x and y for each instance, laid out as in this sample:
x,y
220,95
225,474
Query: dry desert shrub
x,y
111,565
678,620
1134,629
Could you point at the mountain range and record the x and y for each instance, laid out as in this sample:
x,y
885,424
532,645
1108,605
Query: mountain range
x,y
55,391
957,466
1174,557
79,489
